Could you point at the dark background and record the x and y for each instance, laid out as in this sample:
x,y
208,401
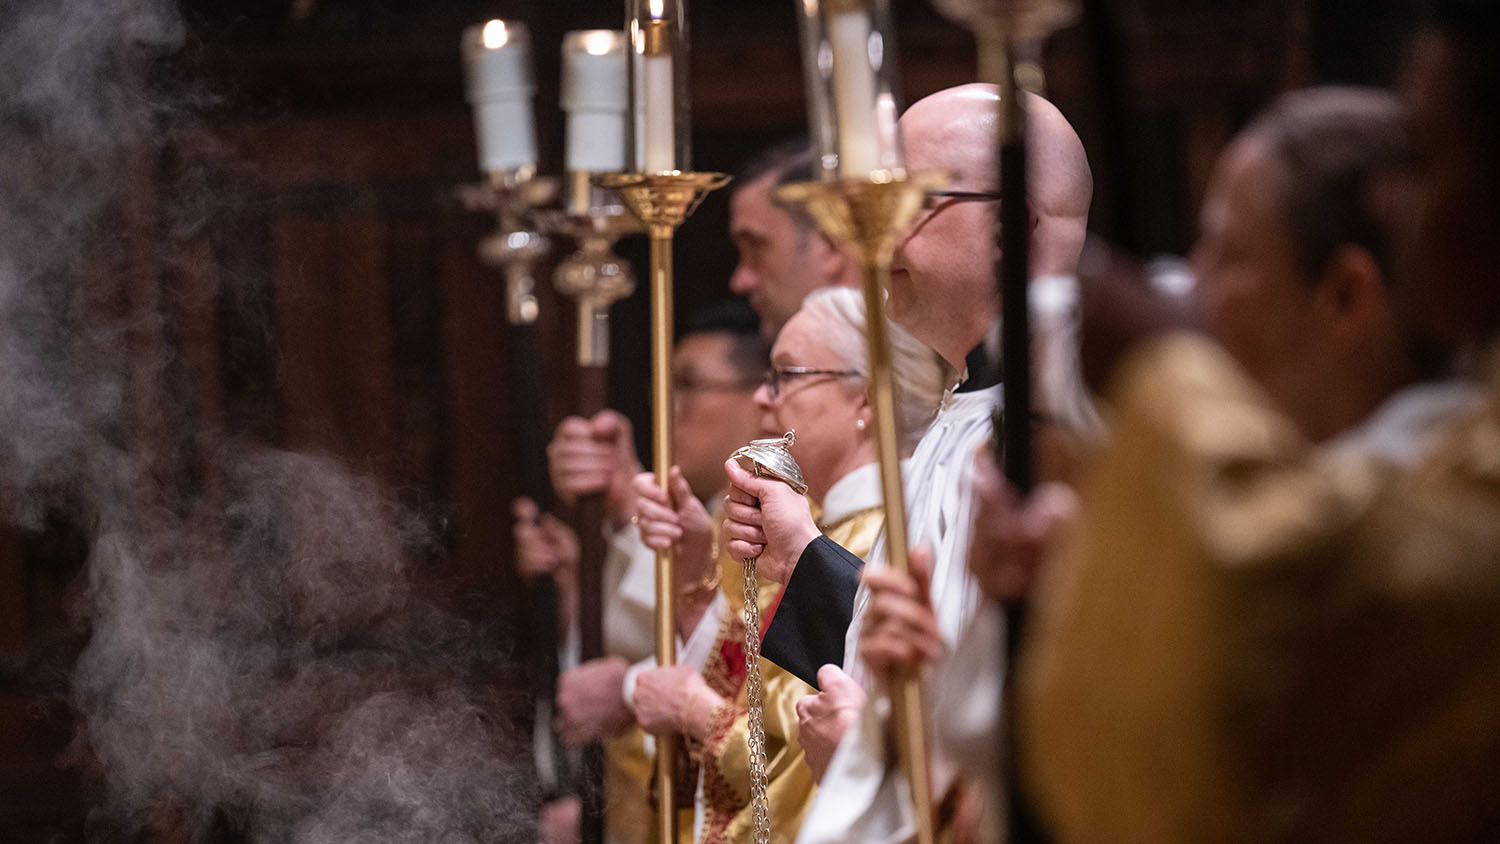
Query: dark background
x,y
359,321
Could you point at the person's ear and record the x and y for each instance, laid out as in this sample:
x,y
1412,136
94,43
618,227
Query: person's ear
x,y
1352,292
829,260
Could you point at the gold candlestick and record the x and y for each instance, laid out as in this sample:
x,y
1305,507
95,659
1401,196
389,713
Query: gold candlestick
x,y
869,218
663,201
593,276
513,196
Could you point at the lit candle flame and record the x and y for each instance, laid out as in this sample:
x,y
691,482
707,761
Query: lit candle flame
x,y
495,35
598,42
658,9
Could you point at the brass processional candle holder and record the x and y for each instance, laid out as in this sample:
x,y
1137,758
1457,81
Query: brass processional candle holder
x,y
865,201
516,245
596,98
499,86
498,81
662,192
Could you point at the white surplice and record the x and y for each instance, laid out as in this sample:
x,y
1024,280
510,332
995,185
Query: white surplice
x,y
863,798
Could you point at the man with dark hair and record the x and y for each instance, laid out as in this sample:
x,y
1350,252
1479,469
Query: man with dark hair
x,y
1294,257
783,256
1252,639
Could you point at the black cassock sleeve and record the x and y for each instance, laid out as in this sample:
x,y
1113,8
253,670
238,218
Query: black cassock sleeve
x,y
808,629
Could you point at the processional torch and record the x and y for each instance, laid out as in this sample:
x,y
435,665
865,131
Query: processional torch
x,y
864,201
1010,36
596,99
662,192
498,80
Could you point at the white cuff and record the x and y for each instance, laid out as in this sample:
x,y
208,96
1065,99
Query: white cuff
x,y
632,674
694,652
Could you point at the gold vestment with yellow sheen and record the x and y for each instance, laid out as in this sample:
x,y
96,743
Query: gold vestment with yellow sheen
x,y
724,755
1250,639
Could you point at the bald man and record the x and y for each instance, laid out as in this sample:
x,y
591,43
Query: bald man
x,y
943,291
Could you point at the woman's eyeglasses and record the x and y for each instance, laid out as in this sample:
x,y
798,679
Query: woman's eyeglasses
x,y
777,377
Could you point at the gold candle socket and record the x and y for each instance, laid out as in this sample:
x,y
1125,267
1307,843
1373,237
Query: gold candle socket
x,y
513,196
593,276
869,218
656,38
663,201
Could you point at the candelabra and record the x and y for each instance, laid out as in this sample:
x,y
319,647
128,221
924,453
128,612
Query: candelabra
x,y
865,201
1009,34
662,201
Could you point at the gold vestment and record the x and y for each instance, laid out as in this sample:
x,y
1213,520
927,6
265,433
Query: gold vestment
x,y
724,755
1253,640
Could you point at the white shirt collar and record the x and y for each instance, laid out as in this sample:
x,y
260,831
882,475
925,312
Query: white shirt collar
x,y
1403,427
855,491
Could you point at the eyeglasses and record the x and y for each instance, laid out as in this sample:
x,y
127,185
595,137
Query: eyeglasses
x,y
684,384
778,376
934,198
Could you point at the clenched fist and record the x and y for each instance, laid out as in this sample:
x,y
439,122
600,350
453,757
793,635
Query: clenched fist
x,y
825,716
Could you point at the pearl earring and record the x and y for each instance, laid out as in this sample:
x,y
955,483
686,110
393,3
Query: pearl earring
x,y
859,424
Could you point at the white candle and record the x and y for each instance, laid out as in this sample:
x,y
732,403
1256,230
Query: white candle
x,y
660,130
596,99
655,91
854,93
497,61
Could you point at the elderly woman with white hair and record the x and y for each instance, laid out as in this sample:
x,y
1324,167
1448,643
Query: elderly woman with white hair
x,y
818,386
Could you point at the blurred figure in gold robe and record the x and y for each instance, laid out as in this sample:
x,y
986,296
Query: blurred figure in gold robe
x,y
1253,638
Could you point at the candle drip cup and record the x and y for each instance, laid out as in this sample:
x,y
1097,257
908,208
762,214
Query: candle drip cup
x,y
515,247
593,275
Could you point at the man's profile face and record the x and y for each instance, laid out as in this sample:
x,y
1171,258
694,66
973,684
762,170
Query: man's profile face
x,y
713,408
945,264
1256,301
775,271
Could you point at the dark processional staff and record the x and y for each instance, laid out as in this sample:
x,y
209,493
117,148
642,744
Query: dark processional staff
x,y
1010,35
498,64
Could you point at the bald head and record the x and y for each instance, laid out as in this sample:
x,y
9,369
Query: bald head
x,y
944,278
954,130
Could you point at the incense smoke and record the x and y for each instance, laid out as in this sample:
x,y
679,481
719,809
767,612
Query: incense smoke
x,y
258,664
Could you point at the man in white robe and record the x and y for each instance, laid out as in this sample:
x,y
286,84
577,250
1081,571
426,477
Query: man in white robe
x,y
943,291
